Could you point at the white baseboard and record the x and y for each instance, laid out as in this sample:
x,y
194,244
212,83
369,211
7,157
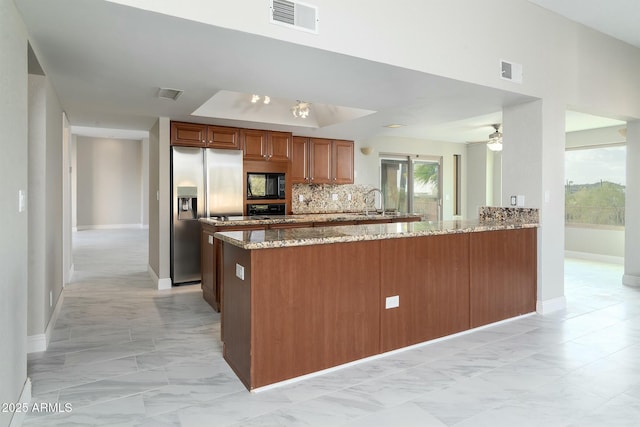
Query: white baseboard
x,y
107,226
629,280
40,342
610,259
551,305
162,284
25,397
72,271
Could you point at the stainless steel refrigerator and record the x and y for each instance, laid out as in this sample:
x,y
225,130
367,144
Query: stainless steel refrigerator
x,y
205,182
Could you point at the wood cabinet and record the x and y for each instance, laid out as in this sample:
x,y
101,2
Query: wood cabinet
x,y
211,249
211,262
223,137
503,274
307,315
204,136
285,319
208,269
299,160
321,161
266,145
342,162
431,277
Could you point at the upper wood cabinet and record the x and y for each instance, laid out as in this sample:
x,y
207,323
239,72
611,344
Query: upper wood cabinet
x,y
223,137
342,162
199,135
188,134
299,173
321,161
266,145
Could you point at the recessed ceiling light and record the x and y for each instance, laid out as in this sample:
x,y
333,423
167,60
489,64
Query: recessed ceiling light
x,y
169,93
393,126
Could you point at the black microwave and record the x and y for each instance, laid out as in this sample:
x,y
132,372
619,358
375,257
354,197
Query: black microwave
x,y
265,185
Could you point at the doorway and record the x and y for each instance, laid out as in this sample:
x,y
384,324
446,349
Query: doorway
x,y
412,184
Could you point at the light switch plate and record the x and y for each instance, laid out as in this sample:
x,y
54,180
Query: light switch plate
x,y
392,302
239,271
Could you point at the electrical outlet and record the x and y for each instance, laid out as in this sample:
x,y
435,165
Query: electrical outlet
x,y
239,272
301,198
514,200
334,197
392,302
210,239
349,196
520,201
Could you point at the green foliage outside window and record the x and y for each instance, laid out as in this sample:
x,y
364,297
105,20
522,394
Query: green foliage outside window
x,y
600,203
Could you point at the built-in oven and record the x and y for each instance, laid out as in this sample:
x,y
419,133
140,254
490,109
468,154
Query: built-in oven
x,y
266,209
261,185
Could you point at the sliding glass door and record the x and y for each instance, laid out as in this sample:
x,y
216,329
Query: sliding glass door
x,y
412,184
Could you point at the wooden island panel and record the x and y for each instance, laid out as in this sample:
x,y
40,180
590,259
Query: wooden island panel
x,y
312,308
431,277
503,274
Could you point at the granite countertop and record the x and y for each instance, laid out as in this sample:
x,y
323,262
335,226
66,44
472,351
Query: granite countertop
x,y
278,238
292,219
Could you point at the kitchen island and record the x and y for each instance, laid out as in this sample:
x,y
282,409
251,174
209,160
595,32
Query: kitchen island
x,y
301,300
211,249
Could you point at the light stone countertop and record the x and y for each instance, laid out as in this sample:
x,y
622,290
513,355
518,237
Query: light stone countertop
x,y
278,238
298,218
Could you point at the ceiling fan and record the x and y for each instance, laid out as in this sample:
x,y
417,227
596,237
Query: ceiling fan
x,y
494,143
495,139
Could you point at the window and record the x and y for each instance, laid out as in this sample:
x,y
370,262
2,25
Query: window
x,y
412,184
595,186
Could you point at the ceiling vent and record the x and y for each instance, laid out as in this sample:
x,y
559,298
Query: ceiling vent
x,y
510,71
293,14
172,94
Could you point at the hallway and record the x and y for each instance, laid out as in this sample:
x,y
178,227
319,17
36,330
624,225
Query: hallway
x,y
125,354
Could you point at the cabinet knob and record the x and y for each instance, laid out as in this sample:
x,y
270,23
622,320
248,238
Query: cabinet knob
x,y
265,156
204,140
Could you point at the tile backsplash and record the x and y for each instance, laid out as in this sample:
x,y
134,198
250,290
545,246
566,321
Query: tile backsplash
x,y
329,198
524,215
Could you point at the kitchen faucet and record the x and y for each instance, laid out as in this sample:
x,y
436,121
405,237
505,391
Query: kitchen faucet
x,y
366,206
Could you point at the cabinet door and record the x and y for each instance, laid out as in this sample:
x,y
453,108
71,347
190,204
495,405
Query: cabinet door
x,y
188,134
223,137
342,162
208,269
279,146
320,161
299,160
503,274
254,143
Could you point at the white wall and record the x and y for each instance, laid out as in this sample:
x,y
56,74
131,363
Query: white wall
x,y
367,168
476,177
594,243
46,243
154,211
145,182
109,183
13,224
159,202
455,39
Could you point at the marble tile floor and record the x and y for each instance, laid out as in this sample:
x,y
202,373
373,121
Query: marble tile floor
x,y
125,354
